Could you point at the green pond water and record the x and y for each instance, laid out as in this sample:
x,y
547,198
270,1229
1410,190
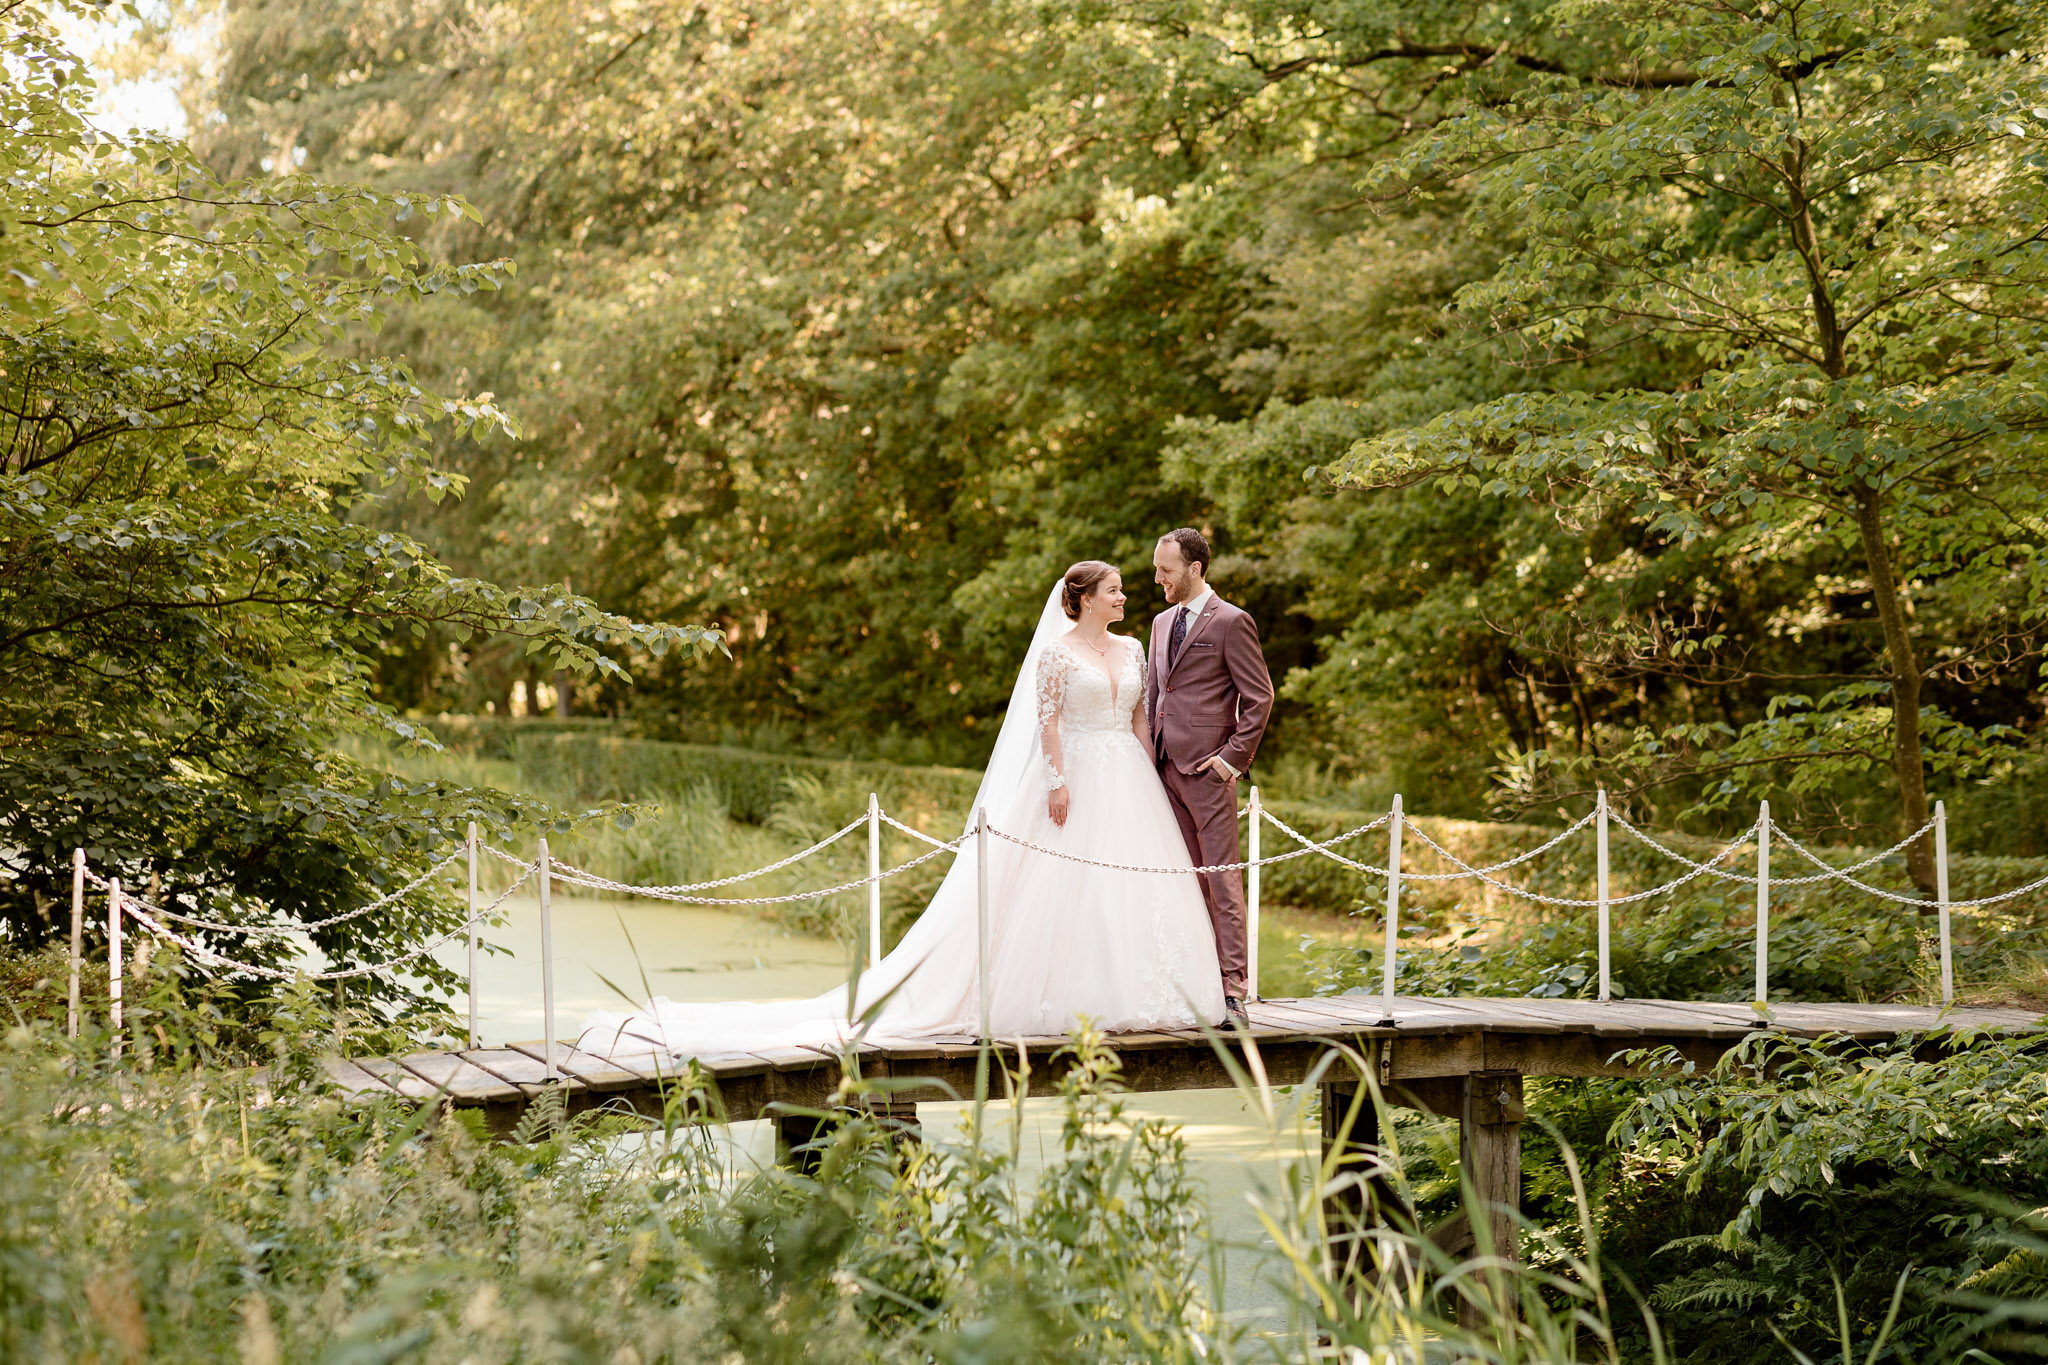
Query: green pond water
x,y
698,954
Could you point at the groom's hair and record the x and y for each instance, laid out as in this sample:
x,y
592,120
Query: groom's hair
x,y
1194,546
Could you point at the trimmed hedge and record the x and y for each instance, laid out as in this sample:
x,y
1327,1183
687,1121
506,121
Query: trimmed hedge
x,y
589,760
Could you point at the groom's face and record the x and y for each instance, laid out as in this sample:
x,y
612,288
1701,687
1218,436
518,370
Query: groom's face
x,y
1172,572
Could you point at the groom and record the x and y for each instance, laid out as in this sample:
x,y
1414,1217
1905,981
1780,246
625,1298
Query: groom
x,y
1209,697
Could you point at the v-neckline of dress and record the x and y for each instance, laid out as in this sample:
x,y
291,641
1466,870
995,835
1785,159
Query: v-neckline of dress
x,y
1110,674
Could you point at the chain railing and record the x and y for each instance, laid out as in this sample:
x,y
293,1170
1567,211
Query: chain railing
x,y
159,920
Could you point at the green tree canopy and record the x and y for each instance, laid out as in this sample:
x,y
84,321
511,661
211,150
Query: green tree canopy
x,y
192,415
845,328
1828,219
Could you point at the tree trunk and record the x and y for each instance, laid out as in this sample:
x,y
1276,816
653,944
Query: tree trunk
x,y
1907,763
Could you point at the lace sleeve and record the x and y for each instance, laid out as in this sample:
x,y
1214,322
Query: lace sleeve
x,y
1141,716
1052,685
1054,666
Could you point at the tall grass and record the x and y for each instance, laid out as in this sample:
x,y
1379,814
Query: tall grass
x,y
176,1206
186,1210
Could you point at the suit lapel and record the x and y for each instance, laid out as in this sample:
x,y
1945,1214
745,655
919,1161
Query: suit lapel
x,y
1195,628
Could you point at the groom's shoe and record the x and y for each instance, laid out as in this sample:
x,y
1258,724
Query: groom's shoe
x,y
1233,1012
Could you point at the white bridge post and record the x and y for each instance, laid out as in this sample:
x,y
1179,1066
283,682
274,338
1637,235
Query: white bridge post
x,y
1393,905
547,959
875,882
1763,903
1948,976
475,1039
1600,851
114,917
981,913
77,939
1251,900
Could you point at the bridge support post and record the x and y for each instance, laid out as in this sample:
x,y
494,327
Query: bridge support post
x,y
794,1133
1351,1137
1490,1152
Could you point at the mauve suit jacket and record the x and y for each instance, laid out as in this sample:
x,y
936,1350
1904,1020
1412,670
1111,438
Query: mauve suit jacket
x,y
1217,696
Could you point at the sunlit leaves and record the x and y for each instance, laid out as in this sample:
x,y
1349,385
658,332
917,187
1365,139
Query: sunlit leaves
x,y
192,422
1828,223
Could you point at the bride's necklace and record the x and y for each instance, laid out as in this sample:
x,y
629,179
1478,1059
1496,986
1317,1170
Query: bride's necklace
x,y
1101,650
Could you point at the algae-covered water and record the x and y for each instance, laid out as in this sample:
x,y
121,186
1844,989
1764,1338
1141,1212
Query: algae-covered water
x,y
607,951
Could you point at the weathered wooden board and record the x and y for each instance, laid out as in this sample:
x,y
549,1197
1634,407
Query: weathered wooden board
x,y
447,1071
528,1074
398,1078
582,1068
353,1079
1290,1039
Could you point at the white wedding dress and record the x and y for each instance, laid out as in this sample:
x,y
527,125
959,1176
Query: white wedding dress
x,y
1068,940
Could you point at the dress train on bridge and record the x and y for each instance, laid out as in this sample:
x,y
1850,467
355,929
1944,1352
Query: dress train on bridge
x,y
1067,940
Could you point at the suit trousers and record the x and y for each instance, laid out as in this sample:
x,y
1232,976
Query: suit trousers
x,y
1206,806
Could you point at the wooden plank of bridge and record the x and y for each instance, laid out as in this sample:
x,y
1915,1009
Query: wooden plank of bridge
x,y
1434,1038
1334,1013
398,1078
593,1073
1874,1021
528,1075
1499,1016
447,1072
353,1080
1729,1012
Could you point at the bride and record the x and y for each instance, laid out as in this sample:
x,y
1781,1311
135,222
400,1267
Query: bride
x,y
1071,771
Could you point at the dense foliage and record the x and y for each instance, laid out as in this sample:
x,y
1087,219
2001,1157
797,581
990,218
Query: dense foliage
x,y
1908,1184
844,327
1825,222
185,584
161,1207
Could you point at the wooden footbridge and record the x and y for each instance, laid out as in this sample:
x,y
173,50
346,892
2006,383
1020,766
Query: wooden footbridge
x,y
1431,1041
1462,1058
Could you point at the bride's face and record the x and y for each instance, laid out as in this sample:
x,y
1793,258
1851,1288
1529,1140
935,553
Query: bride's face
x,y
1106,602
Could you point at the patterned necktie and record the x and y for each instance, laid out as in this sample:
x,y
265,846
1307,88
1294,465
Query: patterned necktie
x,y
1178,638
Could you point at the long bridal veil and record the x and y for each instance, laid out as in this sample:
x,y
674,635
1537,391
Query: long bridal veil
x,y
928,984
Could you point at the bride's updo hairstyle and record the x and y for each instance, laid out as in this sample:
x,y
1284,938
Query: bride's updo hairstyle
x,y
1081,580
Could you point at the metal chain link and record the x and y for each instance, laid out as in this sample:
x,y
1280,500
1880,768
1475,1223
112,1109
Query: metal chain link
x,y
1562,835
1983,901
270,930
674,892
1311,846
576,876
915,833
151,915
889,819
1706,867
136,911
1207,867
1698,870
1829,871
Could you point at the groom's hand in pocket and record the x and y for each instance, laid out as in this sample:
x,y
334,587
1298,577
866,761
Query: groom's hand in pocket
x,y
1217,768
1056,806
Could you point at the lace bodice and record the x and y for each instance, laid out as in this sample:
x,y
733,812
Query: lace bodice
x,y
1077,697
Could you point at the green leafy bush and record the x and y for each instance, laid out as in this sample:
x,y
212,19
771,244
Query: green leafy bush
x,y
194,424
1836,1182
